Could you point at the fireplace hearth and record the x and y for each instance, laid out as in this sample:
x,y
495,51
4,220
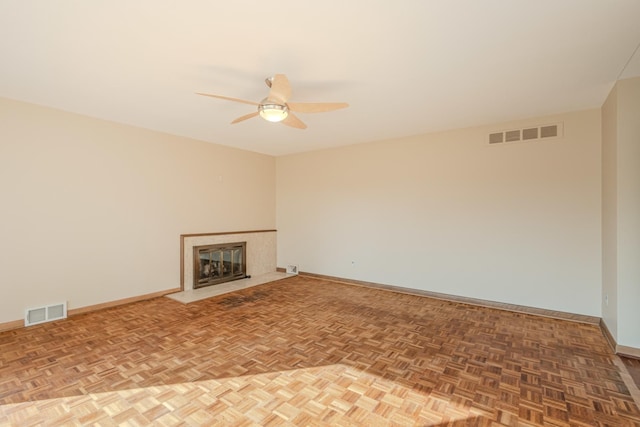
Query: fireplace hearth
x,y
215,264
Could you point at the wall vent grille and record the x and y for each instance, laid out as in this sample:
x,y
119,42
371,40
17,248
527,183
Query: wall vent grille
x,y
542,132
292,269
531,133
47,313
512,135
496,138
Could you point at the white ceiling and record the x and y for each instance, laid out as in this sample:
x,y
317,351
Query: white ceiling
x,y
405,67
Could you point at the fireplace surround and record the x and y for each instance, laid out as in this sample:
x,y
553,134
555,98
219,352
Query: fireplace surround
x,y
219,263
260,256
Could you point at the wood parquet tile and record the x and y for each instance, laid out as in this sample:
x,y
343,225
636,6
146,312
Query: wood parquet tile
x,y
633,366
303,351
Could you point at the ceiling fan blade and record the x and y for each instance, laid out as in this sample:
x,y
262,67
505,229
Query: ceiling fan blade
x,y
245,117
294,122
316,107
280,89
228,98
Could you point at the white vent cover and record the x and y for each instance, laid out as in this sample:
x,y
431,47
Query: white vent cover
x,y
292,269
554,130
47,313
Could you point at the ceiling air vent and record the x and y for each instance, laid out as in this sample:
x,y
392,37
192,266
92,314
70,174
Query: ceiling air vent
x,y
527,134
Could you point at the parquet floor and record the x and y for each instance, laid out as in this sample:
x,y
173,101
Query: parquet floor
x,y
309,352
633,366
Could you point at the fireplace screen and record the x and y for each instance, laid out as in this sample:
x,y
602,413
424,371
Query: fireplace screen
x,y
214,264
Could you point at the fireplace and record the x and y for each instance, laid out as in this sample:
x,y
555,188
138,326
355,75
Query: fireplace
x,y
215,264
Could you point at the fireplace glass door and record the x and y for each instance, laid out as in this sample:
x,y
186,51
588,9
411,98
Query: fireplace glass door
x,y
214,264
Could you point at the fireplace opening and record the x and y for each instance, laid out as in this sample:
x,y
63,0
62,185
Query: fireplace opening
x,y
215,264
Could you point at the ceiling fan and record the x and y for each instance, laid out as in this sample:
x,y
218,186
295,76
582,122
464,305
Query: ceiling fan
x,y
276,108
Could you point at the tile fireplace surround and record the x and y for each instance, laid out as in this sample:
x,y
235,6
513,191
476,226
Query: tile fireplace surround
x,y
260,258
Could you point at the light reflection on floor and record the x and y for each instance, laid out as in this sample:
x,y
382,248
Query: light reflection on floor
x,y
325,395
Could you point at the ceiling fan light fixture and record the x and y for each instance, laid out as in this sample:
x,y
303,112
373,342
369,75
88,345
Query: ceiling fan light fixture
x,y
273,112
275,107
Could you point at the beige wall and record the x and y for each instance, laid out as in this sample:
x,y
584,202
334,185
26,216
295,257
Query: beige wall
x,y
517,223
629,212
92,211
621,213
610,212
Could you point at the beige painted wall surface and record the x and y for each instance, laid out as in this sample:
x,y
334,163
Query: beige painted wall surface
x,y
610,213
628,182
92,211
517,223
